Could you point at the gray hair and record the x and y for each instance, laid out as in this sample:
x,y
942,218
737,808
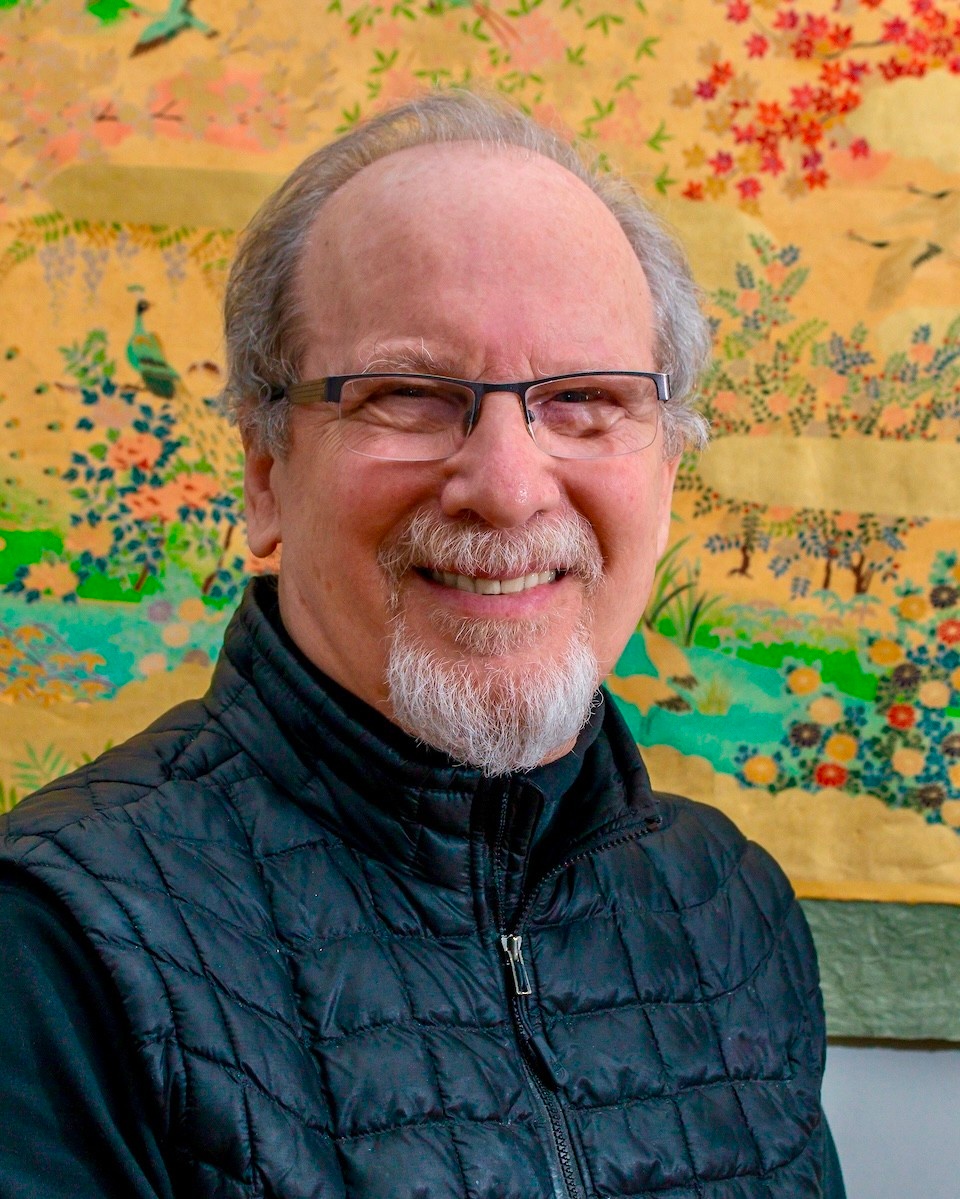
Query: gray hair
x,y
264,333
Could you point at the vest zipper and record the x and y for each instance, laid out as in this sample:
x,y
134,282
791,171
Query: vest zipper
x,y
543,1069
541,1066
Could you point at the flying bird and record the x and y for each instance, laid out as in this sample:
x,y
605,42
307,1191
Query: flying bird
x,y
939,212
145,355
168,25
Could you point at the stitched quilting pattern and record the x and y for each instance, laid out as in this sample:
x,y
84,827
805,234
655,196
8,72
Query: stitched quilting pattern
x,y
317,1014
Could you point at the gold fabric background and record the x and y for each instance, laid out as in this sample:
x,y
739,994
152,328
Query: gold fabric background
x,y
799,662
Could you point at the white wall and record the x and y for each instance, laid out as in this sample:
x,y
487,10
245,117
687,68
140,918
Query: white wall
x,y
895,1115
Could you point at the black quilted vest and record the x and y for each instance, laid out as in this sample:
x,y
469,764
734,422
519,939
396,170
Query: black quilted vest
x,y
344,975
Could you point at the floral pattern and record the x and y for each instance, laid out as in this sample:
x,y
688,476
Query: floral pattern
x,y
801,149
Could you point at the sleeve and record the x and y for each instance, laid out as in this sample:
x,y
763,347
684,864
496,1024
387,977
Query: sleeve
x,y
72,1116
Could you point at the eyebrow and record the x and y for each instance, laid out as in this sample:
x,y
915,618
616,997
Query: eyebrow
x,y
411,358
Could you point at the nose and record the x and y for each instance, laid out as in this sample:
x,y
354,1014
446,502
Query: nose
x,y
499,475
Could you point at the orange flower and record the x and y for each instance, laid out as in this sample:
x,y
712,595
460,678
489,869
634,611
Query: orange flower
x,y
908,762
760,769
151,503
842,747
194,490
134,449
934,694
803,680
825,710
885,652
51,578
893,416
95,539
913,607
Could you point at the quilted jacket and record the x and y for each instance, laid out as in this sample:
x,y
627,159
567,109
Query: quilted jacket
x,y
346,974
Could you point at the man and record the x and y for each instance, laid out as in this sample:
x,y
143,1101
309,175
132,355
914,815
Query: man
x,y
392,911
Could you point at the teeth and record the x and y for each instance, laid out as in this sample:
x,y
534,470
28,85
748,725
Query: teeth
x,y
492,586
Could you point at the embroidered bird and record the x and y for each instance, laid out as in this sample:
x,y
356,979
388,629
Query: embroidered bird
x,y
168,25
936,218
145,355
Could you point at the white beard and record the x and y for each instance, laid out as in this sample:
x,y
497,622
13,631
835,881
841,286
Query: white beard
x,y
499,719
477,705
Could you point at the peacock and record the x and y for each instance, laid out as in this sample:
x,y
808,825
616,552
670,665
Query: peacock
x,y
145,355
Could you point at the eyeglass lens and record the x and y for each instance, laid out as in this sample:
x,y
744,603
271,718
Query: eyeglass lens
x,y
419,419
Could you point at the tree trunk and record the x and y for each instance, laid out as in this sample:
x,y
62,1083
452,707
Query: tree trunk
x,y
144,575
862,576
744,567
209,580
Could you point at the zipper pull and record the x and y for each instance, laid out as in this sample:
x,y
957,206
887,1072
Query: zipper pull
x,y
513,948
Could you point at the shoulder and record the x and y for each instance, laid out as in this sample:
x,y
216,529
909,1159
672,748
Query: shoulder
x,y
710,867
183,746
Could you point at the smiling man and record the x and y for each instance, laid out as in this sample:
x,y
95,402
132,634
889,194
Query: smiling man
x,y
393,910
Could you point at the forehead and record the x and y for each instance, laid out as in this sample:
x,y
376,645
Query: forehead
x,y
459,240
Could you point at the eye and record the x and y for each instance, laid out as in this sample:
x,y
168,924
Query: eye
x,y
402,402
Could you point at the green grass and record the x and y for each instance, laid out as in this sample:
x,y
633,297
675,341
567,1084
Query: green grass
x,y
25,548
842,668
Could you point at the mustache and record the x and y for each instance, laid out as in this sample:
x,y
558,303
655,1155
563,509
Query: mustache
x,y
564,542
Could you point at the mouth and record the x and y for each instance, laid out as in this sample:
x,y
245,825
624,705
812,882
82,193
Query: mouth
x,y
487,586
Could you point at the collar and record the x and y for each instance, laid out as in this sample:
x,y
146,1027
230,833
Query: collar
x,y
392,796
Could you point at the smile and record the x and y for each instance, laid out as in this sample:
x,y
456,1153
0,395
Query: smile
x,y
491,586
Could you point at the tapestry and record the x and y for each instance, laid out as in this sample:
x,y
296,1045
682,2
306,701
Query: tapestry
x,y
798,663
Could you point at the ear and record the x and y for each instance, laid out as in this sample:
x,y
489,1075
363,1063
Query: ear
x,y
668,477
261,501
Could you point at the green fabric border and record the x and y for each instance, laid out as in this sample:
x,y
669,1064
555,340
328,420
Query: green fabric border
x,y
889,970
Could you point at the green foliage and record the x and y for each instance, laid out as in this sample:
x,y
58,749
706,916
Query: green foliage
x,y
108,11
9,797
677,607
87,361
841,668
23,548
37,769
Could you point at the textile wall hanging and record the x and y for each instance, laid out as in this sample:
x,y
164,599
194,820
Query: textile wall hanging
x,y
799,661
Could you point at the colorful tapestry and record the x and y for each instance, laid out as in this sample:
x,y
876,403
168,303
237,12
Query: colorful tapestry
x,y
799,661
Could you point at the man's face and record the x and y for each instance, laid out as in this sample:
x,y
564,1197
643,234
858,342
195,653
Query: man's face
x,y
478,263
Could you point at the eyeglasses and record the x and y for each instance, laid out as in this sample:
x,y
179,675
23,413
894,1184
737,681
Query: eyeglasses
x,y
425,418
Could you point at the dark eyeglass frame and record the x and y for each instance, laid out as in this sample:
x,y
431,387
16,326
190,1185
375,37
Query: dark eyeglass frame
x,y
328,389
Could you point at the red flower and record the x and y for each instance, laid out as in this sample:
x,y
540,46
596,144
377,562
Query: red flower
x,y
949,631
693,190
802,97
722,162
749,188
895,30
816,179
786,18
830,774
860,148
721,73
832,73
816,26
705,89
757,45
738,11
902,716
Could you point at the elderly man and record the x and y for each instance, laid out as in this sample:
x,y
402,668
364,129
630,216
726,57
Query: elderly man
x,y
392,911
